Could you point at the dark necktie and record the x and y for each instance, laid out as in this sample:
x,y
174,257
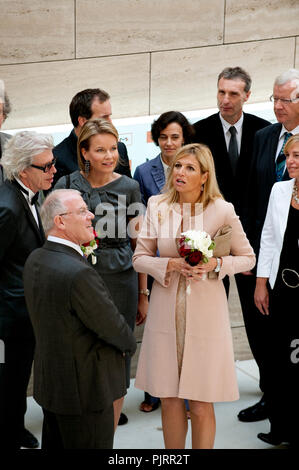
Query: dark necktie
x,y
281,159
233,149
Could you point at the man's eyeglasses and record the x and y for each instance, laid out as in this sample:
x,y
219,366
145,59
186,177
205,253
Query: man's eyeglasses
x,y
283,100
45,168
82,212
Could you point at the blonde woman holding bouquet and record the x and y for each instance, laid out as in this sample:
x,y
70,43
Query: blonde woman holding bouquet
x,y
187,349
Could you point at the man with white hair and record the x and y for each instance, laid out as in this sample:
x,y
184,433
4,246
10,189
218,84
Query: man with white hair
x,y
268,167
81,338
29,167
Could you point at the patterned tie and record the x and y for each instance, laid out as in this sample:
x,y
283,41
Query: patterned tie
x,y
281,159
233,149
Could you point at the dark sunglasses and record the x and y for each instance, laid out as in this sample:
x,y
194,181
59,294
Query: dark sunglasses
x,y
47,167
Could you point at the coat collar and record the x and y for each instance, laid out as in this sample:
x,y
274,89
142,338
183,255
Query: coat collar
x,y
157,172
65,249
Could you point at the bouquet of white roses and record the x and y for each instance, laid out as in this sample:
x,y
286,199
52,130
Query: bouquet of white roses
x,y
196,246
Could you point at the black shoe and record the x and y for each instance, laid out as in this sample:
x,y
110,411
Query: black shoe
x,y
28,440
270,438
122,419
257,412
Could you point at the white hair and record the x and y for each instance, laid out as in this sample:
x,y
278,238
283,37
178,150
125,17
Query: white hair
x,y
291,75
20,150
53,205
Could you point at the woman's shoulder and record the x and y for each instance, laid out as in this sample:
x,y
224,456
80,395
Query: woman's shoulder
x,y
68,181
222,205
125,181
156,199
282,186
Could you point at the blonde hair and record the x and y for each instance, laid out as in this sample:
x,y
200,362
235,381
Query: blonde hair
x,y
203,155
291,141
89,129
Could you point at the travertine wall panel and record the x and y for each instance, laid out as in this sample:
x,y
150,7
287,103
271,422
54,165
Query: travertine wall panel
x,y
297,53
247,20
194,72
36,30
170,49
109,27
41,93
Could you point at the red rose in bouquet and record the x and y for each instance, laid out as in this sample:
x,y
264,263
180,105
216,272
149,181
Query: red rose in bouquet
x,y
192,256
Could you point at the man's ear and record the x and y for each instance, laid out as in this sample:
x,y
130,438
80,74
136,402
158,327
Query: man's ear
x,y
247,96
81,120
59,222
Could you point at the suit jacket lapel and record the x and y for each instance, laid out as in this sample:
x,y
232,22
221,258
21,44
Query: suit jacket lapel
x,y
157,172
37,229
219,133
273,141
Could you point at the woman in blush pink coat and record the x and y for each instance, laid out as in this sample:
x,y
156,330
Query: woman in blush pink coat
x,y
187,349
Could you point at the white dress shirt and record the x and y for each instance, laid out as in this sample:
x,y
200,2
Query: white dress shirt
x,y
238,126
166,168
28,198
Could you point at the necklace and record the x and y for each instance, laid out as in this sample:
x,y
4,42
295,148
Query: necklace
x,y
295,193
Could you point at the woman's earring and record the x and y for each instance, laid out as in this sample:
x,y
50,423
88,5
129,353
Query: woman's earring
x,y
87,167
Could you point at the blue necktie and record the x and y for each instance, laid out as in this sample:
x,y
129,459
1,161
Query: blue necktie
x,y
281,159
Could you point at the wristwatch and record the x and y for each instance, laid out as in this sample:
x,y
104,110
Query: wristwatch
x,y
217,269
144,292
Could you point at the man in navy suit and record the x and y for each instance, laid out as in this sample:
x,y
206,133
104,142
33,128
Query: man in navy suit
x,y
87,104
29,167
230,136
267,167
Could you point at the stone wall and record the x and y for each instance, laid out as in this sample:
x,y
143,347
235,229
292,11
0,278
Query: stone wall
x,y
151,55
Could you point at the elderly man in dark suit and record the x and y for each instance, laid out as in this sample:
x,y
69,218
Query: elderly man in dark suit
x,y
230,136
29,166
81,338
5,109
87,104
267,167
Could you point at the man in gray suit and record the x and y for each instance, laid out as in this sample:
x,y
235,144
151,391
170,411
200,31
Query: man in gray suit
x,y
81,338
5,109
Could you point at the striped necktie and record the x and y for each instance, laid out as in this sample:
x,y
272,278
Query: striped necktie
x,y
281,159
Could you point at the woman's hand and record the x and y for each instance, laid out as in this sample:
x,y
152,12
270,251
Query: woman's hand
x,y
191,272
261,295
142,309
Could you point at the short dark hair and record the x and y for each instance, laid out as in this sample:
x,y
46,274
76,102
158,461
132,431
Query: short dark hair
x,y
82,101
167,118
234,73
